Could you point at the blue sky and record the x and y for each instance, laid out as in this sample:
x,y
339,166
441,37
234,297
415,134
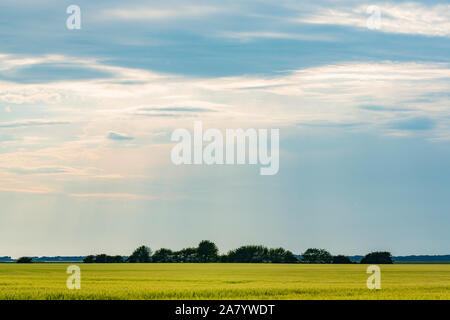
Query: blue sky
x,y
86,117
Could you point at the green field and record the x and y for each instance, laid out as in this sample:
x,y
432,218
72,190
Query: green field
x,y
224,281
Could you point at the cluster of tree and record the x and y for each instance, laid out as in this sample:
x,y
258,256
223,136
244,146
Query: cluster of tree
x,y
207,252
341,259
103,258
25,260
313,255
140,255
377,258
259,254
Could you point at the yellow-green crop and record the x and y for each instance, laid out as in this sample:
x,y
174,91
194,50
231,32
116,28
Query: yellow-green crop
x,y
224,281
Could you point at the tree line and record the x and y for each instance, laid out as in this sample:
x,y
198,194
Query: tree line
x,y
207,252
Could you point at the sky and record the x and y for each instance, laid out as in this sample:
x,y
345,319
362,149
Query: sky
x,y
86,117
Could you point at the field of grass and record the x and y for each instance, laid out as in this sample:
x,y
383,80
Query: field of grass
x,y
223,281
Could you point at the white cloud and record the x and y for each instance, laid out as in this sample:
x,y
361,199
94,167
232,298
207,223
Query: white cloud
x,y
248,36
126,196
164,13
329,95
32,123
405,18
35,190
29,96
42,170
9,183
119,136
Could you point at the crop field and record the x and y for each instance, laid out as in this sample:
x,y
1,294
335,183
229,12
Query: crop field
x,y
224,281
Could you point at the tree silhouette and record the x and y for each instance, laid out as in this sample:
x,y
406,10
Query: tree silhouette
x,y
163,256
207,251
25,260
313,255
186,255
89,259
281,255
341,259
140,255
377,258
249,254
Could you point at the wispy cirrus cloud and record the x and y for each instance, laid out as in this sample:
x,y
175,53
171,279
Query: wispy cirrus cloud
x,y
111,196
32,123
11,93
403,18
159,13
176,109
9,183
309,94
119,136
385,109
252,35
413,124
41,170
31,190
316,98
170,112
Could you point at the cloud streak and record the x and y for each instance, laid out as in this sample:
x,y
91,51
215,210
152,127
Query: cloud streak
x,y
111,196
418,123
42,170
404,18
385,109
119,136
162,13
32,123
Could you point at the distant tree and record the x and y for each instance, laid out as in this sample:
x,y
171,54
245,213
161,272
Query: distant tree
x,y
25,260
313,255
289,257
341,259
377,258
207,251
188,255
89,259
223,258
117,259
249,254
101,258
140,255
281,255
276,255
163,256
